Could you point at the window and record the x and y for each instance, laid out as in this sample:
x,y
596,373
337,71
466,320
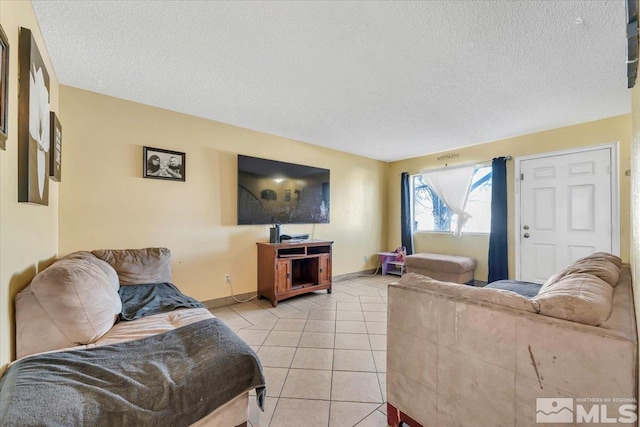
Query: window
x,y
431,214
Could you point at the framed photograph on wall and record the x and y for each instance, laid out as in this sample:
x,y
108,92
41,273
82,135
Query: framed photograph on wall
x,y
4,88
163,164
55,158
33,123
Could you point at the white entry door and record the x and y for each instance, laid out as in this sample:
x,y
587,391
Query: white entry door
x,y
566,207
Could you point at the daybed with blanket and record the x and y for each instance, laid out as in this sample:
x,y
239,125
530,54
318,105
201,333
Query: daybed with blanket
x,y
165,362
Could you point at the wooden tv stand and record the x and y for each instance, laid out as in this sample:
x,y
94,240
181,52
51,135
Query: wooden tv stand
x,y
289,269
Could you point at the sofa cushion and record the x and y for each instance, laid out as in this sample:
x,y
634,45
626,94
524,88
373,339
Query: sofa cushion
x,y
578,297
139,266
599,267
78,297
441,262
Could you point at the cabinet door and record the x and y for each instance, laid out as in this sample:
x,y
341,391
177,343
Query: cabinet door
x,y
283,276
324,266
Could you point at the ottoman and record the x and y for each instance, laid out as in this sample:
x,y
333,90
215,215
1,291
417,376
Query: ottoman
x,y
447,268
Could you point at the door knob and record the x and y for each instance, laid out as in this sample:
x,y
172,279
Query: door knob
x,y
526,235
526,227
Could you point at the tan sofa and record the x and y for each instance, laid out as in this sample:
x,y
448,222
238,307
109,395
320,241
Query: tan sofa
x,y
460,355
73,304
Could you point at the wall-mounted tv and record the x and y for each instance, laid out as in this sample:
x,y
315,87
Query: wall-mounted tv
x,y
272,192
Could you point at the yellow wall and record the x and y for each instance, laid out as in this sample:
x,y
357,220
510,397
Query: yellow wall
x,y
28,233
616,129
635,198
105,203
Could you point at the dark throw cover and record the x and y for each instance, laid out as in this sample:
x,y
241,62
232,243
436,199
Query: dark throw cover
x,y
171,379
526,289
144,300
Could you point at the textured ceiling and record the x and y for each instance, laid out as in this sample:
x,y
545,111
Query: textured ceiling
x,y
385,80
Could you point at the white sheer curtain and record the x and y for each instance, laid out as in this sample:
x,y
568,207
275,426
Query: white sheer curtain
x,y
452,185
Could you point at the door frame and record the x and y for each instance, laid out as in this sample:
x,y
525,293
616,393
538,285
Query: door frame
x,y
615,193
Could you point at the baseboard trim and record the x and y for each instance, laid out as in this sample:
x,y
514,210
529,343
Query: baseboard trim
x,y
221,302
341,277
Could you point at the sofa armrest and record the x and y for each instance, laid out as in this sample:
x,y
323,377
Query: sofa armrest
x,y
469,293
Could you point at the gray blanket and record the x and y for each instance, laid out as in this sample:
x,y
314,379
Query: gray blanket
x,y
144,300
171,379
526,289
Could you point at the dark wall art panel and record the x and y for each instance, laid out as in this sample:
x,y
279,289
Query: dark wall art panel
x,y
34,141
55,156
4,86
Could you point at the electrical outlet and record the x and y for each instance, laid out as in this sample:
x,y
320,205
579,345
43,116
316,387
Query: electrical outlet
x,y
366,258
227,278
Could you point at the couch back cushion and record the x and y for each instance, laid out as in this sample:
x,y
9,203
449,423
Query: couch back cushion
x,y
138,266
599,267
604,256
78,297
578,297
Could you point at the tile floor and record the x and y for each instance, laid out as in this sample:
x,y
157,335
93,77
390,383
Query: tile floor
x,y
324,355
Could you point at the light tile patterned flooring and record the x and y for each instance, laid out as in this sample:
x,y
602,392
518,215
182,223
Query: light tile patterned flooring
x,y
324,355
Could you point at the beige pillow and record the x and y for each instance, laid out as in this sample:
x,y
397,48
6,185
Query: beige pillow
x,y
79,298
578,297
139,266
35,330
89,257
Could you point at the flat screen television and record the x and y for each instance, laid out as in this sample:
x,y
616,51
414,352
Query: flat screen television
x,y
272,192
